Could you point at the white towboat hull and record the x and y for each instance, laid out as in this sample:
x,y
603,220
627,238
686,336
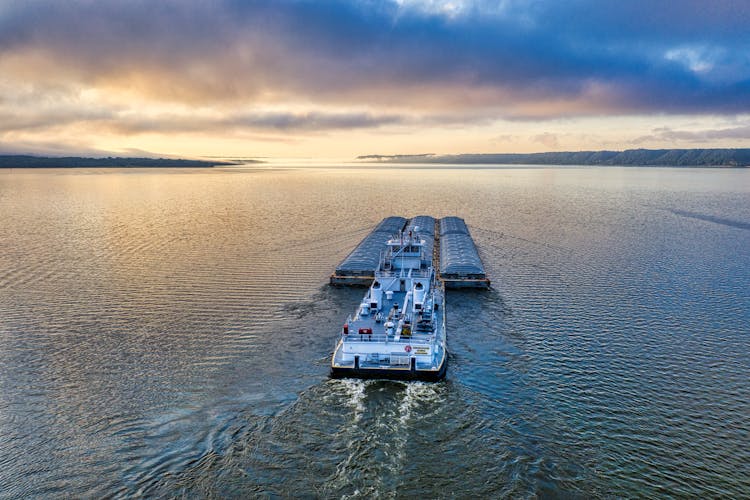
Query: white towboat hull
x,y
421,362
398,330
406,373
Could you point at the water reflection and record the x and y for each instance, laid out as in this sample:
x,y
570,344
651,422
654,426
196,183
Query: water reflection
x,y
168,332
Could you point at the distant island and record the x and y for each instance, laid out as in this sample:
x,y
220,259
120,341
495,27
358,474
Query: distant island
x,y
29,161
629,157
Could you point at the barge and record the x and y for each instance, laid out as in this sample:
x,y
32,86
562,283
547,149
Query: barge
x,y
358,268
448,241
460,265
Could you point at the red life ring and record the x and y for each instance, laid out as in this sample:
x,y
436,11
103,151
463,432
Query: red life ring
x,y
407,348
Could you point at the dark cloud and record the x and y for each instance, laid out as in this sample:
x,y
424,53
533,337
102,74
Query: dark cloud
x,y
277,121
514,57
30,120
311,121
131,123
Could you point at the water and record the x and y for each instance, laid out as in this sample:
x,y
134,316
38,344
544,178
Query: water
x,y
168,332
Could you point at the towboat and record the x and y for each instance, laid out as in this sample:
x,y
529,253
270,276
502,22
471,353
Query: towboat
x,y
398,330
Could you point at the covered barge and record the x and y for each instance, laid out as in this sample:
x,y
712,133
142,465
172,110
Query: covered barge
x,y
448,241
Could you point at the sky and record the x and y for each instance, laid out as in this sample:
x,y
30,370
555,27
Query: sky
x,y
337,79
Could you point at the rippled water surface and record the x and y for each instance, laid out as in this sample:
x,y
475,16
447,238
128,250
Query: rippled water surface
x,y
167,332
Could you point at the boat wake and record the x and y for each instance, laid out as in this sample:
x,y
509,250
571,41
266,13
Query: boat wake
x,y
377,435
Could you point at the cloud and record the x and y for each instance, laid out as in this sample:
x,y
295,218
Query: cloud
x,y
669,135
311,121
303,67
315,121
548,139
129,123
504,139
49,119
521,59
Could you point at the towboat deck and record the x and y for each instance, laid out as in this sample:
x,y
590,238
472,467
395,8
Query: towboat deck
x,y
398,329
371,332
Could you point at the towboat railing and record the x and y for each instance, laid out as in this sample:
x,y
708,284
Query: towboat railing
x,y
415,273
364,337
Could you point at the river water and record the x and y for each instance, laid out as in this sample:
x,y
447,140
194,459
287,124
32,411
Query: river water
x,y
168,332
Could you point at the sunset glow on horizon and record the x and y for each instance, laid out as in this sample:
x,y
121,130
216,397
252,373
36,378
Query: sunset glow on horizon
x,y
346,78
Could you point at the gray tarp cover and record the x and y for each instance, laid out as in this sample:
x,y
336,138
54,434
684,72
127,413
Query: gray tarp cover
x,y
458,254
366,255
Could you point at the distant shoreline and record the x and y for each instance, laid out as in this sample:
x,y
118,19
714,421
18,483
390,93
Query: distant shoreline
x,y
727,158
29,161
